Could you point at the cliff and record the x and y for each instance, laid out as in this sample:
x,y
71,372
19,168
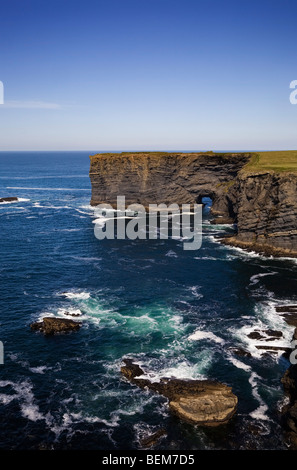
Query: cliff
x,y
265,207
262,202
154,178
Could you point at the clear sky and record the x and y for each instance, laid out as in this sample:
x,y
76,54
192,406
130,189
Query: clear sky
x,y
148,74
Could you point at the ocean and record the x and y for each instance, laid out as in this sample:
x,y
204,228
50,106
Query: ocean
x,y
177,313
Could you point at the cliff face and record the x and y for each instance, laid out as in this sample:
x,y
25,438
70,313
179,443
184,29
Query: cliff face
x,y
265,207
152,178
263,204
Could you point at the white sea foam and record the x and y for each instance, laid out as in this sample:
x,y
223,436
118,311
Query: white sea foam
x,y
5,399
266,318
47,189
49,206
256,277
171,254
199,335
76,295
39,369
69,312
179,371
68,229
23,393
176,366
260,412
87,207
86,259
194,290
99,220
82,212
238,364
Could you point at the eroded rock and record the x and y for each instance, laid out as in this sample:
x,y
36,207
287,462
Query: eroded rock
x,y
52,325
202,402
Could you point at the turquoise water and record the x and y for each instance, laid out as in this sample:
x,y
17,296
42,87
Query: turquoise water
x,y
177,313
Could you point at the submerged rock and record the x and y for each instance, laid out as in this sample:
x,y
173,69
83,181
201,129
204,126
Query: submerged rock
x,y
71,314
255,335
202,402
240,352
153,439
258,334
52,325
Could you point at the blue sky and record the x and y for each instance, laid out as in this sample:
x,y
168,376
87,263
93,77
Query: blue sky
x,y
148,74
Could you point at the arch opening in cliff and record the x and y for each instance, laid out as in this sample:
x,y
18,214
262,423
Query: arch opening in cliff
x,y
206,202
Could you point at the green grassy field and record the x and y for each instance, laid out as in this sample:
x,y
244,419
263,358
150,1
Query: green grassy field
x,y
276,161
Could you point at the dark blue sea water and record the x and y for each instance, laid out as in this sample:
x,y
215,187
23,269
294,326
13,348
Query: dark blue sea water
x,y
178,313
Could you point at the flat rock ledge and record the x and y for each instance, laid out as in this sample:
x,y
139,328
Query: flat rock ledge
x,y
51,325
262,249
201,402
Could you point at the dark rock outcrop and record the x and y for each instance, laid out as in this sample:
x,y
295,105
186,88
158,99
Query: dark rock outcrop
x,y
202,402
72,314
273,348
240,352
266,335
52,325
153,439
8,199
289,314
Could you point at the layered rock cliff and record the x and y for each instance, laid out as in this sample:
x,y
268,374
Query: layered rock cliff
x,y
263,204
154,178
265,208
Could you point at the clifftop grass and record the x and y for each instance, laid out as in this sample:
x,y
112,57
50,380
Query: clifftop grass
x,y
209,153
278,161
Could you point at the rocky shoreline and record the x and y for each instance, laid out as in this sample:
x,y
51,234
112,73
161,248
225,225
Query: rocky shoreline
x,y
202,402
254,247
